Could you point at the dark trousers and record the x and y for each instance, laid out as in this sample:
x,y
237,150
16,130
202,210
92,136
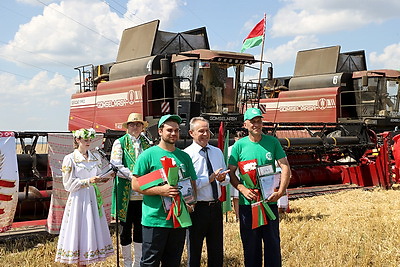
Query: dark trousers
x,y
252,239
133,217
163,245
206,223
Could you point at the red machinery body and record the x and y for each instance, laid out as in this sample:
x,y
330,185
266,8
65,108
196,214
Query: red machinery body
x,y
313,105
109,106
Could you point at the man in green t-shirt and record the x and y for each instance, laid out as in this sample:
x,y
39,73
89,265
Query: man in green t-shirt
x,y
265,149
161,241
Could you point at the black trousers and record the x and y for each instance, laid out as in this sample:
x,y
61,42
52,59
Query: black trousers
x,y
163,245
207,223
133,217
252,239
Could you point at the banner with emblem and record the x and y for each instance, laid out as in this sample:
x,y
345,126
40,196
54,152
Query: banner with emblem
x,y
9,180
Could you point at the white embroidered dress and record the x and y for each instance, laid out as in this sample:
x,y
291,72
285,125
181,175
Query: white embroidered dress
x,y
84,235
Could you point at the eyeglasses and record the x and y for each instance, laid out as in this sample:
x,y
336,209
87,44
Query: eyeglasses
x,y
137,124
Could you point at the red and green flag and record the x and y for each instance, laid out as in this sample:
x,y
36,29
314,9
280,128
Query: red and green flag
x,y
152,179
255,36
227,204
260,214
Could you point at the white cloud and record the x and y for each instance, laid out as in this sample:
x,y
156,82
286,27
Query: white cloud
x,y
288,51
389,59
65,34
321,16
35,103
146,10
41,85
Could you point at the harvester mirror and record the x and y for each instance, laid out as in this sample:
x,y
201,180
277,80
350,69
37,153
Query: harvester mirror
x,y
364,80
164,62
270,73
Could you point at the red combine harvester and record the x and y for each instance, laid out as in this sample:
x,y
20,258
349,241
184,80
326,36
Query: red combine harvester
x,y
330,115
157,73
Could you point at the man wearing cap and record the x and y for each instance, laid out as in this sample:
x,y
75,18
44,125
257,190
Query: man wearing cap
x,y
265,149
124,153
207,220
161,241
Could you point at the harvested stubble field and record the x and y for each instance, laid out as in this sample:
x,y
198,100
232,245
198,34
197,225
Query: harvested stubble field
x,y
353,228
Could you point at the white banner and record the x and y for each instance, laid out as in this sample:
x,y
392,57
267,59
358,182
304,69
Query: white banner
x,y
9,180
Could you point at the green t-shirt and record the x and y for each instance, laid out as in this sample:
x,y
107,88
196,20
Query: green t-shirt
x,y
153,213
266,151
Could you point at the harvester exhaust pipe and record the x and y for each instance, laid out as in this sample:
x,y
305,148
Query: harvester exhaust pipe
x,y
270,73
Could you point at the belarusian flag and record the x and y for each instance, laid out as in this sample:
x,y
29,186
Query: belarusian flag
x,y
260,211
255,36
152,179
258,216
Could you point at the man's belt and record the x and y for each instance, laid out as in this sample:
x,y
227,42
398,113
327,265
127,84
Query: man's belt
x,y
208,203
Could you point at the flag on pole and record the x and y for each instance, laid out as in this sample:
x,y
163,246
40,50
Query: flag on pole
x,y
227,204
255,37
222,198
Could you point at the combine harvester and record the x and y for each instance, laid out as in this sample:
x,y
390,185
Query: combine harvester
x,y
155,73
334,118
329,117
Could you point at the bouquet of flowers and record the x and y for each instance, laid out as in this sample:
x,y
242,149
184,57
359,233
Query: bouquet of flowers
x,y
178,211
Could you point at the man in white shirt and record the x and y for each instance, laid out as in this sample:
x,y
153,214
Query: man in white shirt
x,y
234,192
207,220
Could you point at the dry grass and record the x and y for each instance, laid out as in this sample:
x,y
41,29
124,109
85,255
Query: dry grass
x,y
353,228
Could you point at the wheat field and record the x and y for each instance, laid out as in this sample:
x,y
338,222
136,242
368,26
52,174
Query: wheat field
x,y
352,228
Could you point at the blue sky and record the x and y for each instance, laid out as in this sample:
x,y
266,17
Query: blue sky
x,y
41,41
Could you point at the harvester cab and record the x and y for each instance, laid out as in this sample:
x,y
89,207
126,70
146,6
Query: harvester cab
x,y
159,73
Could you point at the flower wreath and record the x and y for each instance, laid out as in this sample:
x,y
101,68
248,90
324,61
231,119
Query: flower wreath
x,y
84,133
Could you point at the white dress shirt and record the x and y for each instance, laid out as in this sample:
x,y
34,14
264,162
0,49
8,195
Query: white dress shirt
x,y
116,159
204,189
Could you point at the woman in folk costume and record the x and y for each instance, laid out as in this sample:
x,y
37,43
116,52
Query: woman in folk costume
x,y
124,153
84,236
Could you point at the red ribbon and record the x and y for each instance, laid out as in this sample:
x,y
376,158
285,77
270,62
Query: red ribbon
x,y
176,202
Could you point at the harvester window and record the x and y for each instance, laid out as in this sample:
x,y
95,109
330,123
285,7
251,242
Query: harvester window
x,y
185,70
212,81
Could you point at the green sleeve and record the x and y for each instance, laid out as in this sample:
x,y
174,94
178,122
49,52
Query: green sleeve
x,y
280,153
141,165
